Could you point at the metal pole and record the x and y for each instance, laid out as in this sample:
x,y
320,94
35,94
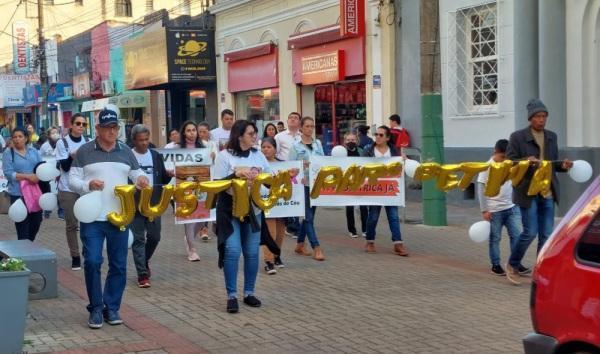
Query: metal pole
x,y
42,60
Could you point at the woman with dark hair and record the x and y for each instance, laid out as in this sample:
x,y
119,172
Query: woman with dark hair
x,y
384,147
48,148
189,140
363,138
19,163
302,150
174,139
270,131
239,160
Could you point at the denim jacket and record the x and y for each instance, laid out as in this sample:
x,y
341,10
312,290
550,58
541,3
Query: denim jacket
x,y
301,152
13,164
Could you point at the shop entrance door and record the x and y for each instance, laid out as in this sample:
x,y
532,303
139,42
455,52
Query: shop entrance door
x,y
339,108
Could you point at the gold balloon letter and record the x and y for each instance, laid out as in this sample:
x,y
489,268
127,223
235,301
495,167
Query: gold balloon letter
x,y
212,188
499,173
427,171
125,194
259,181
353,179
153,211
282,185
328,176
518,171
470,169
542,178
373,172
393,169
241,199
184,195
446,178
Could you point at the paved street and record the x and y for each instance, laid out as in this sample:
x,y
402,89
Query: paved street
x,y
442,299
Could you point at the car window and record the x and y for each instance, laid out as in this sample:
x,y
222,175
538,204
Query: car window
x,y
588,249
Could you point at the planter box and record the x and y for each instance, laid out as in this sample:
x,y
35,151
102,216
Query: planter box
x,y
13,310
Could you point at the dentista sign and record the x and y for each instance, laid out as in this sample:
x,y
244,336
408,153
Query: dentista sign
x,y
21,51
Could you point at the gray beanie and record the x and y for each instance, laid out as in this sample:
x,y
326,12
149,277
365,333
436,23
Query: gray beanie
x,y
535,106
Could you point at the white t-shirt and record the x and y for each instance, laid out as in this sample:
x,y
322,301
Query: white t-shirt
x,y
62,153
285,140
503,200
146,164
378,154
220,136
171,146
47,150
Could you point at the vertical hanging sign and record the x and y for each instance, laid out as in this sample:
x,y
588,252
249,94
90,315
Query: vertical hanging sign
x,y
352,18
21,50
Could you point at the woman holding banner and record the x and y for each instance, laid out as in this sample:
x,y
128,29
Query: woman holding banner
x,y
239,160
384,147
190,140
302,150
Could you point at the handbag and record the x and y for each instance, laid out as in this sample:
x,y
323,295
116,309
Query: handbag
x,y
31,193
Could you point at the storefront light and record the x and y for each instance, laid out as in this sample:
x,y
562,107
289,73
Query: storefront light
x,y
267,94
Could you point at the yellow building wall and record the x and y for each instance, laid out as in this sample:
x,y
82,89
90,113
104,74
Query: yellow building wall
x,y
259,21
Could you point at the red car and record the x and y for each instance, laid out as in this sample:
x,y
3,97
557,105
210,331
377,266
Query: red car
x,y
565,291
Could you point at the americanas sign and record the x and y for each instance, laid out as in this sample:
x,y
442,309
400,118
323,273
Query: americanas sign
x,y
321,68
352,18
191,55
21,50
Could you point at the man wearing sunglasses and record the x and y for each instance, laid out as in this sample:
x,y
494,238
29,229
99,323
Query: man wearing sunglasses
x,y
66,148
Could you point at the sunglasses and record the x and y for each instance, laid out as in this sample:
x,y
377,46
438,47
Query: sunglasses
x,y
81,124
380,135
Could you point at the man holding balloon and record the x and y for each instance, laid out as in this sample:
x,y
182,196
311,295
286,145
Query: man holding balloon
x,y
100,165
538,146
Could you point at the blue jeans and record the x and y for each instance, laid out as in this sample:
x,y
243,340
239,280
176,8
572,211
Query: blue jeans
x,y
509,218
92,239
308,224
538,220
393,220
242,240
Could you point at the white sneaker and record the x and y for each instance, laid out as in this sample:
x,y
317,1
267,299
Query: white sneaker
x,y
205,238
364,234
193,256
353,235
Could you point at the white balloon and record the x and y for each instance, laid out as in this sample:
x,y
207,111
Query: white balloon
x,y
47,172
48,201
339,151
581,171
88,207
480,231
410,167
17,211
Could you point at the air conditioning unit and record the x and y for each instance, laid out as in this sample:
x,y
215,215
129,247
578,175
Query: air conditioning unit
x,y
107,88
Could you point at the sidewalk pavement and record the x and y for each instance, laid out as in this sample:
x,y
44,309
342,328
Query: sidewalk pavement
x,y
441,299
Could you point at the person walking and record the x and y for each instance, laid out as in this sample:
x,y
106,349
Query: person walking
x,y
66,148
33,136
221,134
239,160
48,148
401,138
100,165
18,164
285,141
363,136
146,232
190,140
383,147
350,143
275,226
302,150
534,143
204,135
499,210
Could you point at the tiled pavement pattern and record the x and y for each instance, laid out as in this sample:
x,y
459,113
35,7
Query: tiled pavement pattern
x,y
441,299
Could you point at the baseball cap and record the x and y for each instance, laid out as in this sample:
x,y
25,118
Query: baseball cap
x,y
108,116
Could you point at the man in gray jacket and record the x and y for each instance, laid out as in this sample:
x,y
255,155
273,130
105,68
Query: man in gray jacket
x,y
535,144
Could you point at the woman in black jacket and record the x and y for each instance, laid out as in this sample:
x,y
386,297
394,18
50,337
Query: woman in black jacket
x,y
384,147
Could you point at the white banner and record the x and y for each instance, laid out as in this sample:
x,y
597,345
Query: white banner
x,y
294,206
191,165
387,191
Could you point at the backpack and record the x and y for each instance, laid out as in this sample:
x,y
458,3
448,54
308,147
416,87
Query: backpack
x,y
64,140
401,137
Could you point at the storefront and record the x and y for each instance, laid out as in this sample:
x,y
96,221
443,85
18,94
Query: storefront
x,y
13,92
252,75
331,70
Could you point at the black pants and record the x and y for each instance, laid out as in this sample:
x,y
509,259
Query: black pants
x,y
28,228
146,236
364,212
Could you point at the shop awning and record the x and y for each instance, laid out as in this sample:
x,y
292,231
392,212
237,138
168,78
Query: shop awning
x,y
314,37
252,68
